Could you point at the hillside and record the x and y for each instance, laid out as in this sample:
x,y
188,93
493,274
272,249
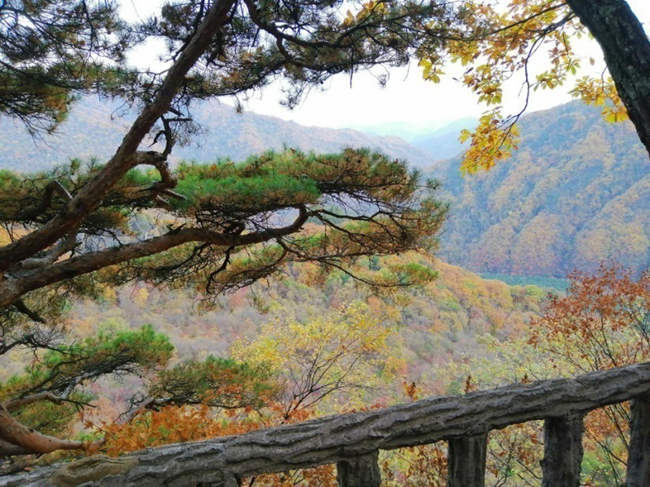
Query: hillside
x,y
95,128
436,324
577,192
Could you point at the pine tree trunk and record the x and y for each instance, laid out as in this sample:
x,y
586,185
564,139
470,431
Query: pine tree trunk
x,y
627,53
16,437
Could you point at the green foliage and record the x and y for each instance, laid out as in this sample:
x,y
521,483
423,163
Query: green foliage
x,y
51,418
386,209
414,272
63,368
50,51
273,180
27,199
143,347
257,191
65,371
269,181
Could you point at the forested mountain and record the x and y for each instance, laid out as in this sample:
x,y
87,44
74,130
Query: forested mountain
x,y
207,299
577,192
95,128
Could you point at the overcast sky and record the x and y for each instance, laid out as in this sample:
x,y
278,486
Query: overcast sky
x,y
406,98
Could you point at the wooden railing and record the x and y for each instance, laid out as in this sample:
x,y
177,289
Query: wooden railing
x,y
352,441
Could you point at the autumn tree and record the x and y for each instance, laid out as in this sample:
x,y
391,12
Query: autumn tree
x,y
294,370
493,41
600,323
192,400
42,401
338,357
47,394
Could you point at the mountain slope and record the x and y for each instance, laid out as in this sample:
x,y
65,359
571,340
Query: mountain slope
x,y
577,192
95,128
437,323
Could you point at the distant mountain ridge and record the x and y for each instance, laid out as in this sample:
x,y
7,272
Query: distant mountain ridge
x,y
444,143
94,128
407,130
576,193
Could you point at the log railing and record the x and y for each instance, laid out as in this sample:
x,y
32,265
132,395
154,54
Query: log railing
x,y
352,441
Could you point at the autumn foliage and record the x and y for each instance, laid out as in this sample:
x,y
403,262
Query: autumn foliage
x,y
602,323
493,43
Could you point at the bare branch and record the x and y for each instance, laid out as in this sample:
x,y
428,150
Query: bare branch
x,y
12,289
22,307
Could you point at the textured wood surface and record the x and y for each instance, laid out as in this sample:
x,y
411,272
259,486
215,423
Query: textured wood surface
x,y
562,451
338,438
638,464
467,461
356,471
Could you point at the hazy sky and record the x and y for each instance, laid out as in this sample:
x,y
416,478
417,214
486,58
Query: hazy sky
x,y
407,98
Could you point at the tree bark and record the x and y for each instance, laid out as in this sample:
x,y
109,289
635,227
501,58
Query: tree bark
x,y
15,436
627,53
638,463
338,438
467,461
359,471
562,451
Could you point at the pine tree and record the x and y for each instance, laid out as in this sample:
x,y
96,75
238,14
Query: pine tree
x,y
219,226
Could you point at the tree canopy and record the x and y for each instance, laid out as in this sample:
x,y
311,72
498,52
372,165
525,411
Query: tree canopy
x,y
218,49
51,51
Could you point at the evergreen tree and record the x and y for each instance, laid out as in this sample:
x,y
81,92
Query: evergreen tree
x,y
220,226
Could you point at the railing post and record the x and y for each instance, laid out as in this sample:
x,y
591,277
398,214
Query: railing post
x,y
360,471
562,450
231,480
466,461
638,462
